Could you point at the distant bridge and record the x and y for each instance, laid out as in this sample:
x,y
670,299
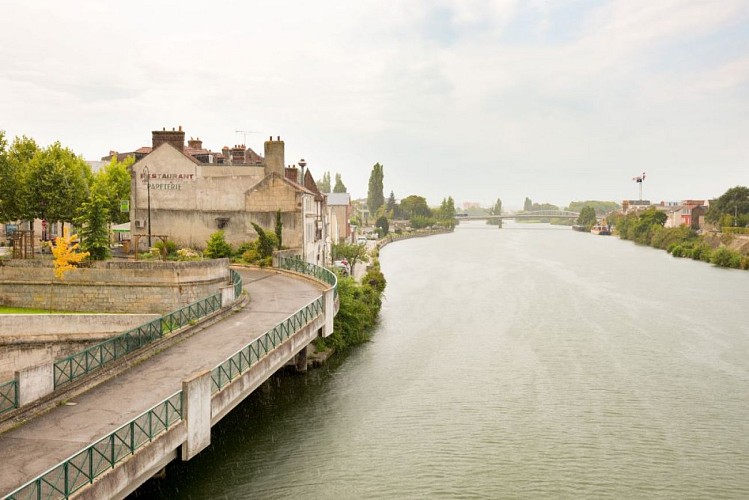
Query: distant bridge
x,y
538,214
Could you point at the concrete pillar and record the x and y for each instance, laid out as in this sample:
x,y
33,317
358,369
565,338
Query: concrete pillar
x,y
329,309
196,411
301,360
35,382
227,295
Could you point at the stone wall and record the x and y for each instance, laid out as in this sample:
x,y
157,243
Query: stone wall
x,y
111,286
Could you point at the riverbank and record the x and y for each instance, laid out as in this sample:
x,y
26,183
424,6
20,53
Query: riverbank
x,y
721,249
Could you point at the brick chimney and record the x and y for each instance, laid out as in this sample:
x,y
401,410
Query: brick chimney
x,y
195,143
274,156
174,137
237,155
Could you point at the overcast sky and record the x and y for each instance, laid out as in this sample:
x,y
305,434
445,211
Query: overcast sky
x,y
555,100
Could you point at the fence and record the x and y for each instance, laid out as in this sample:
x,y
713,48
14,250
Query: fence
x,y
298,265
81,363
85,466
253,352
8,396
236,280
82,468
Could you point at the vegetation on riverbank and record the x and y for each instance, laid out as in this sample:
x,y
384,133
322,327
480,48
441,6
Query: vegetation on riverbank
x,y
359,311
646,228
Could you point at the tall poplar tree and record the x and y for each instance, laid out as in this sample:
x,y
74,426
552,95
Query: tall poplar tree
x,y
324,184
528,205
339,186
375,196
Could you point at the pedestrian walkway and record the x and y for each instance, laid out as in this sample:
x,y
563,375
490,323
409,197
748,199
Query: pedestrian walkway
x,y
33,448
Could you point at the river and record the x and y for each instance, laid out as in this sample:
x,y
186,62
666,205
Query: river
x,y
527,362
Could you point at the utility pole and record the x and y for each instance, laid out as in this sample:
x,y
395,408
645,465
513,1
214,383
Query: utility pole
x,y
639,180
147,175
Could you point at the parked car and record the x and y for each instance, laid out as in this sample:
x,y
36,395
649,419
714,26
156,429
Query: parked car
x,y
343,266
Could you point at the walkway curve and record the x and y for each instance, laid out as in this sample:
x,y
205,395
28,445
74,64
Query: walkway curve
x,y
45,441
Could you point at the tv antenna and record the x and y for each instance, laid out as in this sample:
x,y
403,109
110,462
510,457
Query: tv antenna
x,y
245,133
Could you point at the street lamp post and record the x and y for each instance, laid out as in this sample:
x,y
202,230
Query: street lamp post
x,y
147,175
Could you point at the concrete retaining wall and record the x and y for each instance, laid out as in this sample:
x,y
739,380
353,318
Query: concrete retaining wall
x,y
111,286
31,339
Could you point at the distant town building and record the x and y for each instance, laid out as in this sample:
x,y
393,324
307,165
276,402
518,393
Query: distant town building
x,y
689,213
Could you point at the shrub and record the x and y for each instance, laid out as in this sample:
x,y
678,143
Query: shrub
x,y
168,249
725,257
187,254
243,247
676,250
217,247
702,251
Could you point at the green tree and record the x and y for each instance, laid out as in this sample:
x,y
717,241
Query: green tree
x,y
113,184
382,225
265,243
496,210
601,207
57,184
279,229
324,184
339,186
375,196
587,217
414,205
8,182
527,205
543,206
392,206
734,202
94,232
352,253
217,246
14,198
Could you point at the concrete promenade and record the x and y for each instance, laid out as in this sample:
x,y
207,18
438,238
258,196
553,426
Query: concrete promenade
x,y
36,446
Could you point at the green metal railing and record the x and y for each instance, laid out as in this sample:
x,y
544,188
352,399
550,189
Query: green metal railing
x,y
191,313
81,469
81,363
236,280
298,265
8,396
246,357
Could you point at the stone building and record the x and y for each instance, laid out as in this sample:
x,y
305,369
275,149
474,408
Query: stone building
x,y
187,195
339,217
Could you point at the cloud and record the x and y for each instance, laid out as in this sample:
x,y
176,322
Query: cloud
x,y
469,98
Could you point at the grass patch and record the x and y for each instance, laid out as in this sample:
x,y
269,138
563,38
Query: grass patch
x,y
28,310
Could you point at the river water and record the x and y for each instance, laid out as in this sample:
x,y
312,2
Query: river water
x,y
527,362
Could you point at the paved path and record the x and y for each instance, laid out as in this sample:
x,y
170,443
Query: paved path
x,y
47,440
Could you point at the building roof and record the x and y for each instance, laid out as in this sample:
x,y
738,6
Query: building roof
x,y
338,199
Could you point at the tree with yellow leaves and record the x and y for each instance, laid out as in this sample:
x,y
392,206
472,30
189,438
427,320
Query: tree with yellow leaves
x,y
66,254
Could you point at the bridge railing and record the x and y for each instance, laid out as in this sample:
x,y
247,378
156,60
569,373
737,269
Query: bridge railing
x,y
81,469
241,361
298,265
8,396
236,280
84,362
